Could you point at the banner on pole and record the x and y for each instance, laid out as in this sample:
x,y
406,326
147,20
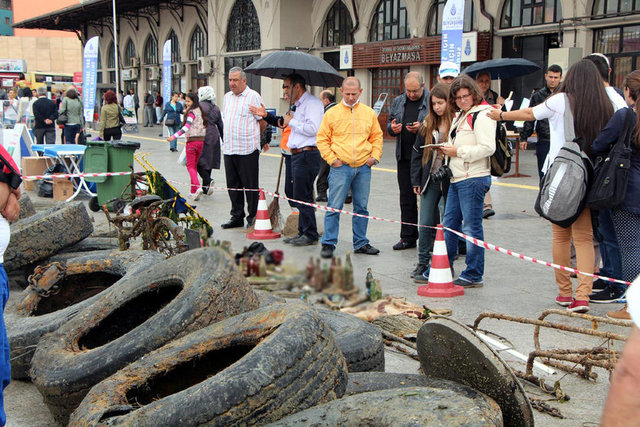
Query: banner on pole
x,y
166,71
452,25
90,78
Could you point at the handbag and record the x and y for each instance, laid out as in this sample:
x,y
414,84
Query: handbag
x,y
170,122
82,138
121,118
609,187
182,160
62,119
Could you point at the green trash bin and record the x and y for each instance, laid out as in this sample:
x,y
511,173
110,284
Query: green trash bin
x,y
108,156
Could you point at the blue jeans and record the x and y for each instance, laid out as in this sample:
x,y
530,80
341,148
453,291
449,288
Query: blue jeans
x,y
465,203
340,180
173,145
609,249
429,215
5,357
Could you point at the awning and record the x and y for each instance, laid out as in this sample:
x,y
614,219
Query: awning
x,y
74,18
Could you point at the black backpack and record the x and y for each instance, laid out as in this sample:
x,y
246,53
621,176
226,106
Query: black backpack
x,y
501,158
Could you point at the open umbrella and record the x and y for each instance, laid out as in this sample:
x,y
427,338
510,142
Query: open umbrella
x,y
502,68
278,65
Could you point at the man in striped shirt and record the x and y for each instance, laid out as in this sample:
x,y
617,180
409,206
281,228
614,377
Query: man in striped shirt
x,y
241,147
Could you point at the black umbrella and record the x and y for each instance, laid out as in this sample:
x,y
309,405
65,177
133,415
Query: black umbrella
x,y
278,65
503,68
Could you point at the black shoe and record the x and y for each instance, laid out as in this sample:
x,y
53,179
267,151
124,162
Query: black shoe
x,y
404,244
367,250
467,283
327,251
303,240
607,295
291,239
599,285
487,213
420,268
349,199
322,198
233,223
250,222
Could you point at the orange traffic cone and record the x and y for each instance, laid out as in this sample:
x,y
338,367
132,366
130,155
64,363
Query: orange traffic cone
x,y
262,225
440,281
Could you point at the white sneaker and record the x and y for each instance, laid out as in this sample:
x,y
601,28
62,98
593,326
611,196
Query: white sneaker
x,y
210,190
196,196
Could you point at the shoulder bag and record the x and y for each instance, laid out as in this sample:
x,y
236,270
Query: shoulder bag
x,y
62,117
609,187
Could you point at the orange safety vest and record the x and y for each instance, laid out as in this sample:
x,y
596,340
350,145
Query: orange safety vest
x,y
284,142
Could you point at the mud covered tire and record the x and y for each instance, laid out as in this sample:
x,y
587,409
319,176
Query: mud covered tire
x,y
360,342
411,406
39,236
363,382
26,206
93,244
266,298
25,328
147,310
293,364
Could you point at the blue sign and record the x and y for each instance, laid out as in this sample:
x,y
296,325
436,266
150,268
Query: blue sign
x,y
89,78
452,24
166,71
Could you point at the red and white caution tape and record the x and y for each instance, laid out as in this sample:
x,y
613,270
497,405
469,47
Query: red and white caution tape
x,y
477,242
73,175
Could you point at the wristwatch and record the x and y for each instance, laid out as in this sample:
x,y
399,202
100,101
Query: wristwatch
x,y
501,119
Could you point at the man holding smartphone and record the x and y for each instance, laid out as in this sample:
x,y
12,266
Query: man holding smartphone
x,y
407,112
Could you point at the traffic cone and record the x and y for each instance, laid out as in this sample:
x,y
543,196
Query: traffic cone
x,y
262,224
440,281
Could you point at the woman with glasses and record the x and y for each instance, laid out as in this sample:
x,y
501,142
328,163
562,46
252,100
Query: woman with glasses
x,y
467,162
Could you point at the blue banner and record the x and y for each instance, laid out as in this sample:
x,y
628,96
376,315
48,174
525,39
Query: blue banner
x,y
452,25
166,71
90,78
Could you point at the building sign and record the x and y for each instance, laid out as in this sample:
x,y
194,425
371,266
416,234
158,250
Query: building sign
x,y
15,65
470,47
452,24
346,57
166,71
417,51
400,54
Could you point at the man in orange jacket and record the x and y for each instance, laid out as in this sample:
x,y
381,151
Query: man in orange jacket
x,y
350,140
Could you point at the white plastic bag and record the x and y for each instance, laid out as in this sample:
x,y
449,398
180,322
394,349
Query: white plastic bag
x,y
182,160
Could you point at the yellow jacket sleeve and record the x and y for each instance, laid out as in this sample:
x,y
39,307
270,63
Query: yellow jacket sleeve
x,y
375,139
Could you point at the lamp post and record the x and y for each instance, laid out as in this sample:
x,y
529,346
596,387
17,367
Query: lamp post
x,y
115,45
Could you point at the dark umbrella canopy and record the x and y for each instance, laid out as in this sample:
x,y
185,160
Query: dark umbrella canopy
x,y
278,65
503,68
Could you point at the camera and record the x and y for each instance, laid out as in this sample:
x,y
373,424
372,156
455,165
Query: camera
x,y
443,172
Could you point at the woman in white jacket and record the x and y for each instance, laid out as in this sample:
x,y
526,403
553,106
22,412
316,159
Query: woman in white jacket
x,y
468,150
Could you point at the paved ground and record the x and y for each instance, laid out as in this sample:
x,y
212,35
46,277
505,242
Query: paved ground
x,y
511,286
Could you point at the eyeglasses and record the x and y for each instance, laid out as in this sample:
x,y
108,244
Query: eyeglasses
x,y
285,86
462,97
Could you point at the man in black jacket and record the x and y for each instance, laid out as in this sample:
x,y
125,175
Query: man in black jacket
x,y
407,112
45,114
322,184
552,77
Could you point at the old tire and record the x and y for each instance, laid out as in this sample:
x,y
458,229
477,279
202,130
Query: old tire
x,y
360,342
364,382
266,298
251,369
45,233
147,310
93,244
86,278
26,206
412,406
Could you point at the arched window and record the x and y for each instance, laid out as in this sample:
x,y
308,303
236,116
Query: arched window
x,y
151,50
522,13
243,31
111,56
601,7
129,53
338,26
435,17
389,21
175,47
197,46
